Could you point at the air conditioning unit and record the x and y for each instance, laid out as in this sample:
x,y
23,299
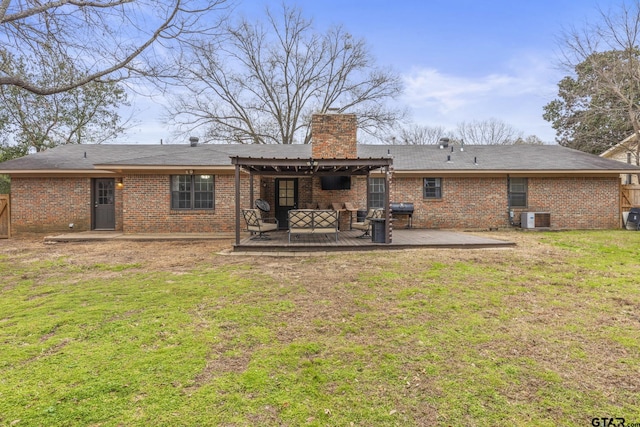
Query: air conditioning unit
x,y
535,220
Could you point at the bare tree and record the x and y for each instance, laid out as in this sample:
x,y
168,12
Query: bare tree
x,y
487,132
420,135
529,140
263,81
107,40
616,37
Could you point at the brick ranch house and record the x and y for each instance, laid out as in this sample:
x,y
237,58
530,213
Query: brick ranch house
x,y
192,187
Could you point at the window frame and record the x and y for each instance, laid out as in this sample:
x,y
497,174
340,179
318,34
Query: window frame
x,y
524,194
437,187
193,195
373,196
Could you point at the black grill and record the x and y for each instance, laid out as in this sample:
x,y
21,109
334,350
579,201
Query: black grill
x,y
404,208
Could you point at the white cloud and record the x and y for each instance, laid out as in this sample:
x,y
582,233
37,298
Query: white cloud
x,y
429,87
516,95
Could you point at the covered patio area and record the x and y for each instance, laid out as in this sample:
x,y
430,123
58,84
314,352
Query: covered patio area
x,y
312,170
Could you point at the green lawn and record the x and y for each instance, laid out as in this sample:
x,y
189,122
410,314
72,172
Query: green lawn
x,y
544,334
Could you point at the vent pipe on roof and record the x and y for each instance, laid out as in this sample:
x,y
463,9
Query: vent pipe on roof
x,y
193,141
444,142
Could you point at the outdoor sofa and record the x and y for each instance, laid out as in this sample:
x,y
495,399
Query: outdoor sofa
x,y
313,221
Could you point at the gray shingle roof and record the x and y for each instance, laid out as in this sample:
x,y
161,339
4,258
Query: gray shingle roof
x,y
492,157
405,157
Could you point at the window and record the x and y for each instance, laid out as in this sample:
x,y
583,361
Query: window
x,y
432,188
192,192
518,192
287,192
376,193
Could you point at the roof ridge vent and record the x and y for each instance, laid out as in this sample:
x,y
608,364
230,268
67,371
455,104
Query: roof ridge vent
x,y
193,141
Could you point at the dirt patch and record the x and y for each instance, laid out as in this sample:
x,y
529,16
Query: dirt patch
x,y
185,254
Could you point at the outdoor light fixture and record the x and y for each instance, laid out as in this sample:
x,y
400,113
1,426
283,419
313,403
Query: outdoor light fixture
x,y
119,183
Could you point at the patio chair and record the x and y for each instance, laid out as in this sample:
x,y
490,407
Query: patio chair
x,y
257,225
365,225
351,209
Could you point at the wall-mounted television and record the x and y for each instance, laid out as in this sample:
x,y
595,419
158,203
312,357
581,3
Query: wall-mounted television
x,y
335,182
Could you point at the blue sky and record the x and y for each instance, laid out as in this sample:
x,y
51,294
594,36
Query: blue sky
x,y
461,60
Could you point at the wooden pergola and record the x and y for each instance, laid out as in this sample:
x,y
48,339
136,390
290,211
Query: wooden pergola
x,y
311,167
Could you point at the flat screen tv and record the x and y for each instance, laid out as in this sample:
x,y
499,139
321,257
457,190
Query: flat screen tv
x,y
335,182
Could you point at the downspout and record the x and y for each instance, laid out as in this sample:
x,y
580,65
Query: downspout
x,y
509,211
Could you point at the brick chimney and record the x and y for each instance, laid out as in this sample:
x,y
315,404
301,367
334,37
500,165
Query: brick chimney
x,y
333,136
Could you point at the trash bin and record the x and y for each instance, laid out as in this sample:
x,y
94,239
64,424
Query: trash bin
x,y
378,230
633,220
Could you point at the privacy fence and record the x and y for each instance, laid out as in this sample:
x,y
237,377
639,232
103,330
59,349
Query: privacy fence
x,y
5,223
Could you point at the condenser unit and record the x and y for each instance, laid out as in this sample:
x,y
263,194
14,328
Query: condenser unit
x,y
535,220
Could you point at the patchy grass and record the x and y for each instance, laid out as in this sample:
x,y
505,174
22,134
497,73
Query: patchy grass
x,y
544,334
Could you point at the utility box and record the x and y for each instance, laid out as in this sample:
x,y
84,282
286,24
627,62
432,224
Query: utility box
x,y
535,220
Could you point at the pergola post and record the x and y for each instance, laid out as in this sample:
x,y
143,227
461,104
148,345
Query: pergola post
x,y
251,189
387,203
237,204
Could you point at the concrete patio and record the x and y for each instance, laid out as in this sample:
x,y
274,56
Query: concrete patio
x,y
279,242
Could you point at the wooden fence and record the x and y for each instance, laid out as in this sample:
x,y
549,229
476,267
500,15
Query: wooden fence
x,y
5,217
630,197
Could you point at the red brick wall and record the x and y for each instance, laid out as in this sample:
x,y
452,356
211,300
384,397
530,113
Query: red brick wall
x,y
334,136
44,205
353,195
481,203
466,203
577,203
147,206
